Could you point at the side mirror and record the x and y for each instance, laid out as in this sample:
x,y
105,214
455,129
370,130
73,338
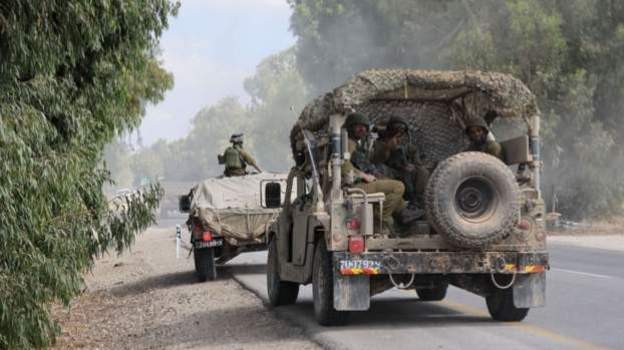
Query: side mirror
x,y
184,203
273,195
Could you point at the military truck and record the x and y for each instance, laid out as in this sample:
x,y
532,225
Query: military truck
x,y
228,216
484,224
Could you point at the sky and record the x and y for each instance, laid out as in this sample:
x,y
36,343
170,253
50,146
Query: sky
x,y
211,47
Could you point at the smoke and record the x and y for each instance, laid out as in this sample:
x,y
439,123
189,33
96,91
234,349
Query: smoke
x,y
579,91
340,40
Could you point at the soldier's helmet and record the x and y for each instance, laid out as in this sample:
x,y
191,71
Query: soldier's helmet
x,y
396,124
356,119
236,138
477,122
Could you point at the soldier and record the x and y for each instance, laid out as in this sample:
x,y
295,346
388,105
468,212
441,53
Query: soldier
x,y
399,159
368,177
236,158
478,133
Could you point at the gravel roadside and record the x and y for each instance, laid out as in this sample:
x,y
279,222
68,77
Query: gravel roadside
x,y
146,299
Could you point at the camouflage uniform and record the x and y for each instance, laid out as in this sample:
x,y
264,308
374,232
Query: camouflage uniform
x,y
237,159
394,162
359,166
489,146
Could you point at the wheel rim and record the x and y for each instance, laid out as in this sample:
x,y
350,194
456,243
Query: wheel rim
x,y
475,199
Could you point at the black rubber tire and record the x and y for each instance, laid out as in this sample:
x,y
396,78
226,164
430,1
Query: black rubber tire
x,y
472,200
432,294
501,307
280,292
205,267
323,289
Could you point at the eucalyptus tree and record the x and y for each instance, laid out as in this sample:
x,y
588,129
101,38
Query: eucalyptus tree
x,y
73,76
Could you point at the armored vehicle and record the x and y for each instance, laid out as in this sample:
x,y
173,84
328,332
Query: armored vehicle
x,y
484,225
230,215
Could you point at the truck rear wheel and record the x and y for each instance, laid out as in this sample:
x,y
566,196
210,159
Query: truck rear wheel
x,y
280,292
323,289
205,267
472,200
501,307
432,294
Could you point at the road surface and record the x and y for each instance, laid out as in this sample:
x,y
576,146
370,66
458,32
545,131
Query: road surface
x,y
584,311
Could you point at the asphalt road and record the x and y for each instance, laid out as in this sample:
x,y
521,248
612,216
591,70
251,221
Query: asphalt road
x,y
584,310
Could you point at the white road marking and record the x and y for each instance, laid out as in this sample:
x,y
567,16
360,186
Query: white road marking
x,y
581,273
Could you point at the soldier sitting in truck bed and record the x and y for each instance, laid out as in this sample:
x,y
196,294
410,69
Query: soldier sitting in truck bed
x,y
398,159
478,132
368,177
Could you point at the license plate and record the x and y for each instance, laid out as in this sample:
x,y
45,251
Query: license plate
x,y
359,267
208,244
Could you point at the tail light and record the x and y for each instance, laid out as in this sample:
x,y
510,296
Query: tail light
x,y
356,244
207,236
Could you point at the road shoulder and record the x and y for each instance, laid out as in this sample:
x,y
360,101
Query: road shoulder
x,y
146,298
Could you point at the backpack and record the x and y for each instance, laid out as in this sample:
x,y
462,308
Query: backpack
x,y
233,159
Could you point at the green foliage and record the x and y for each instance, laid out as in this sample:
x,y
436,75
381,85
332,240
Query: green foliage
x,y
72,77
266,122
338,38
570,53
278,94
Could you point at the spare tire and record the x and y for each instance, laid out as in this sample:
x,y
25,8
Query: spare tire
x,y
472,200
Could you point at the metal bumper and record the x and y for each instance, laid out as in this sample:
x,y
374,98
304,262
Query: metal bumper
x,y
376,263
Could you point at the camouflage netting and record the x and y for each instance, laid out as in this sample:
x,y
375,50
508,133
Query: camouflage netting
x,y
436,104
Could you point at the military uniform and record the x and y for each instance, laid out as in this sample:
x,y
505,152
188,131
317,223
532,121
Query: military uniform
x,y
395,160
392,189
360,167
236,158
489,146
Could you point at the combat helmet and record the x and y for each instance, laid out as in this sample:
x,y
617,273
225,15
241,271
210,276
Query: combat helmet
x,y
396,123
236,138
477,122
354,119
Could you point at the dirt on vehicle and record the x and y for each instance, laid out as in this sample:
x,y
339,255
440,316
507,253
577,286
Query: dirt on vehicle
x,y
148,299
484,225
228,216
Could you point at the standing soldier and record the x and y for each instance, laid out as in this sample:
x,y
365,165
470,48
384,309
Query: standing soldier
x,y
236,158
399,159
367,177
478,132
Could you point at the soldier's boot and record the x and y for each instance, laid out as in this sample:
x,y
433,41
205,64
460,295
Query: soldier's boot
x,y
406,216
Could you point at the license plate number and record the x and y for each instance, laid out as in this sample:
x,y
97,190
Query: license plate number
x,y
208,244
359,264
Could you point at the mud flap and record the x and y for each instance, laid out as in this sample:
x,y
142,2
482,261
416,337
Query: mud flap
x,y
351,293
530,290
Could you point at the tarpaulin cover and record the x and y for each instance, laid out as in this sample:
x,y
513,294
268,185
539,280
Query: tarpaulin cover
x,y
232,206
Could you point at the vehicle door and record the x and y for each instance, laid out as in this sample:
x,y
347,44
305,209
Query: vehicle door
x,y
301,213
